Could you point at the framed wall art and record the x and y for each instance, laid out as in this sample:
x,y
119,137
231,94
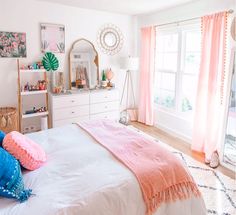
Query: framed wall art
x,y
52,38
12,45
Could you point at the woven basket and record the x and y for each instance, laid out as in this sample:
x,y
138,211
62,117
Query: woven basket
x,y
8,119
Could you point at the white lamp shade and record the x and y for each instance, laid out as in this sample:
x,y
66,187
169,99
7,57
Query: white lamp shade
x,y
130,63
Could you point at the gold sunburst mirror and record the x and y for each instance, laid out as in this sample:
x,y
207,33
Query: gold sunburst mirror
x,y
110,39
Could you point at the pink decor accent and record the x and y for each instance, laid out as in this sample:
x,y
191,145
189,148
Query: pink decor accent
x,y
147,75
109,74
30,155
210,85
161,176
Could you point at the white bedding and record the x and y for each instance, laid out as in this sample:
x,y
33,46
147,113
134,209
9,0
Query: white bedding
x,y
82,178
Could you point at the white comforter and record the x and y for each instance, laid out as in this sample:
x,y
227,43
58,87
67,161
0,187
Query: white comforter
x,y
81,177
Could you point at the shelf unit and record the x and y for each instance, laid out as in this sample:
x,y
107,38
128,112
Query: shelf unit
x,y
22,94
27,93
25,116
32,70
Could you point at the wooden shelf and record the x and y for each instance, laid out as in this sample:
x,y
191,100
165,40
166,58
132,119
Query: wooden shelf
x,y
32,70
27,93
23,103
25,116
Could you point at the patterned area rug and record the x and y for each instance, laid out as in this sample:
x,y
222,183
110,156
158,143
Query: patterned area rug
x,y
218,190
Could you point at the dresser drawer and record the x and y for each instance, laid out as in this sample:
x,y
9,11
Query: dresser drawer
x,y
62,122
107,115
104,96
104,107
70,101
66,113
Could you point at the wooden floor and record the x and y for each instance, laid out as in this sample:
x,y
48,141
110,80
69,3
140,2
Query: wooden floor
x,y
178,144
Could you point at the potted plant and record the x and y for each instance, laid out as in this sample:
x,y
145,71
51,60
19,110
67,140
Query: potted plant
x,y
51,64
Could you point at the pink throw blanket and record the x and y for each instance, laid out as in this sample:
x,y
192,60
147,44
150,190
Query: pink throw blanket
x,y
161,175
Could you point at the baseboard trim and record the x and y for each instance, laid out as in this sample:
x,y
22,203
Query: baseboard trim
x,y
174,133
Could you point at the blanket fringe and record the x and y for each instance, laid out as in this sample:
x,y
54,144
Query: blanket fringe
x,y
176,192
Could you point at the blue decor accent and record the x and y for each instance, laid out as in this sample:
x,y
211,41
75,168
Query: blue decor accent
x,y
11,181
2,135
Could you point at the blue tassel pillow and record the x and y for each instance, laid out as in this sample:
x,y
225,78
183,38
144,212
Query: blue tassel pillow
x,y
2,135
11,181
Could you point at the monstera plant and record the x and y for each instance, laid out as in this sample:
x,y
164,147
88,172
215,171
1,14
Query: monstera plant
x,y
51,64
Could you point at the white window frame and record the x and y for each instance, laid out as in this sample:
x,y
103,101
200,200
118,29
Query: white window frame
x,y
181,30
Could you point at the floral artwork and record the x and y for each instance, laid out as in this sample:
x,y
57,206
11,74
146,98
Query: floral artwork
x,y
52,38
12,44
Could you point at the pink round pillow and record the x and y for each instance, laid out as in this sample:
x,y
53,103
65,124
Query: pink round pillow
x,y
30,155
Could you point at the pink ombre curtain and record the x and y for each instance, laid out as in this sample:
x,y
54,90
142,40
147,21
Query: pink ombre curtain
x,y
207,116
146,75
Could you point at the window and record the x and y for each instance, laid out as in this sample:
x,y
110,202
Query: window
x,y
177,63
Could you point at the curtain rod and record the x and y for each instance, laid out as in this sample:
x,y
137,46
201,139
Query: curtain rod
x,y
186,20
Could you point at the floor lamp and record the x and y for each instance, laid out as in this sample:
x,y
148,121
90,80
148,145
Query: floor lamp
x,y
129,64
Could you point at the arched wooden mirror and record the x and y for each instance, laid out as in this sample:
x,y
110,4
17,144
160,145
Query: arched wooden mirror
x,y
83,63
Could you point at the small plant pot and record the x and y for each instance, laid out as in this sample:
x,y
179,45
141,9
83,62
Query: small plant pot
x,y
104,83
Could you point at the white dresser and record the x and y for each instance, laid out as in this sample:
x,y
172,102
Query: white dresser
x,y
95,104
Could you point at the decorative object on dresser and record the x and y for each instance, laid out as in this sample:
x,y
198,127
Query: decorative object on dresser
x,y
59,83
51,64
129,113
12,44
104,80
83,65
84,105
32,99
52,38
8,119
110,39
109,75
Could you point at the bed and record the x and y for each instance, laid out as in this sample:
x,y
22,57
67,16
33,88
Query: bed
x,y
81,177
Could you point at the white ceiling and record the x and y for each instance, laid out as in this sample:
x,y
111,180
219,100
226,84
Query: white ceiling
x,y
130,7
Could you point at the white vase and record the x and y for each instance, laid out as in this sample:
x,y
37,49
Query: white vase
x,y
53,81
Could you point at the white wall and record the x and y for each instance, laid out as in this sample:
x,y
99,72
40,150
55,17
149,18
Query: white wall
x,y
195,9
176,125
26,16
